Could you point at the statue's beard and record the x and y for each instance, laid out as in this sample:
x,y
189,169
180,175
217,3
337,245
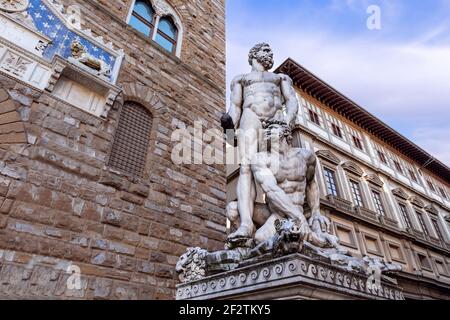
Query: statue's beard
x,y
266,61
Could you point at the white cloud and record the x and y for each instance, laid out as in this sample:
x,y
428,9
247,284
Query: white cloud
x,y
435,141
406,82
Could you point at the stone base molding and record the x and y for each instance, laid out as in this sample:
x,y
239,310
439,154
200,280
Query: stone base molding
x,y
291,277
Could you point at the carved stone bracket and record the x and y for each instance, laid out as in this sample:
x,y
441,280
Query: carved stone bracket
x,y
431,209
161,7
416,201
72,71
329,156
373,178
353,168
399,192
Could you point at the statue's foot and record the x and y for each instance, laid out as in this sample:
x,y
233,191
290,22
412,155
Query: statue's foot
x,y
242,232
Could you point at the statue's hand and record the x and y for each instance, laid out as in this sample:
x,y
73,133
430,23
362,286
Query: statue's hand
x,y
323,222
304,230
227,122
289,119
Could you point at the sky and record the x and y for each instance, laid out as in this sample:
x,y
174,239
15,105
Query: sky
x,y
400,73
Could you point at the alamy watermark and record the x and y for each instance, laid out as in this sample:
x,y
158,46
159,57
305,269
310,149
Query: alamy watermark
x,y
374,19
199,145
74,280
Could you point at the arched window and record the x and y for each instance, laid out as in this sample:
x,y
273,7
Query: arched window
x,y
160,27
131,141
166,35
143,17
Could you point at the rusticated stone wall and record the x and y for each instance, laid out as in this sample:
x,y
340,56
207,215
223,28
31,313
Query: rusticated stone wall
x,y
60,204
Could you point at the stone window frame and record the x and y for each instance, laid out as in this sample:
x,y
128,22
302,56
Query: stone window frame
x,y
437,228
437,261
356,173
376,238
382,157
443,192
384,206
399,202
153,102
421,266
420,214
438,231
328,160
327,166
430,184
381,150
145,153
333,121
354,240
357,135
412,173
319,113
402,258
398,167
358,180
162,9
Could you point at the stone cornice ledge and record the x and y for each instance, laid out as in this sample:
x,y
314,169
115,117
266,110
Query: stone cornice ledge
x,y
294,270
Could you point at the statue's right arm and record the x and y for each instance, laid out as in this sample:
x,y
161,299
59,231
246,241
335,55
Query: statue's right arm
x,y
236,99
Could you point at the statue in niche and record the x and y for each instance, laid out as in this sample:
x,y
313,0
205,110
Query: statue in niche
x,y
81,56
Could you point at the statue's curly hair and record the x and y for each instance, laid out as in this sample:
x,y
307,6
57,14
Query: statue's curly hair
x,y
255,50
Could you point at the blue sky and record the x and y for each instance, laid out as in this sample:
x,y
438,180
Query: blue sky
x,y
400,73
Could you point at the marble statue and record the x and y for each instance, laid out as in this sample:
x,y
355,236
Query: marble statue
x,y
263,108
287,178
256,97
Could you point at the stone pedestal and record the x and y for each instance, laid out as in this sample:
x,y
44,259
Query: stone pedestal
x,y
291,277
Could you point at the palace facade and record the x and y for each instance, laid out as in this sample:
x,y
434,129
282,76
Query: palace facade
x,y
385,196
91,204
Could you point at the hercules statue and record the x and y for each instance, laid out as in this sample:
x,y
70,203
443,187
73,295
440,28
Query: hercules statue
x,y
263,109
258,100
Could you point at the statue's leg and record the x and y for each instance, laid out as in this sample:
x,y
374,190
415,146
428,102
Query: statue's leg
x,y
248,138
267,231
260,214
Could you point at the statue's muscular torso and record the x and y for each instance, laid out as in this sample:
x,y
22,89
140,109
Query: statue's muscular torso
x,y
262,93
290,171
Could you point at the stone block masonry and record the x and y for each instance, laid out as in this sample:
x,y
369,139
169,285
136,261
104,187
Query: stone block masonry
x,y
60,204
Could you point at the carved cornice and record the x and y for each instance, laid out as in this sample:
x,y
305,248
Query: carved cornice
x,y
291,270
387,224
353,168
416,201
399,192
373,178
431,209
328,156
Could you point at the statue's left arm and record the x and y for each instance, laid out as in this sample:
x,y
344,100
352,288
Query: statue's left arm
x,y
287,89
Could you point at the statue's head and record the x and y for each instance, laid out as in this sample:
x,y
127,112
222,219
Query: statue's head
x,y
280,131
263,54
77,49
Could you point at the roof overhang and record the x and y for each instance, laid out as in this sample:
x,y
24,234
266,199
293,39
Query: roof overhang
x,y
318,89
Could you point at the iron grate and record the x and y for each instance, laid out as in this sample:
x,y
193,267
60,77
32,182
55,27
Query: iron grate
x,y
131,141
